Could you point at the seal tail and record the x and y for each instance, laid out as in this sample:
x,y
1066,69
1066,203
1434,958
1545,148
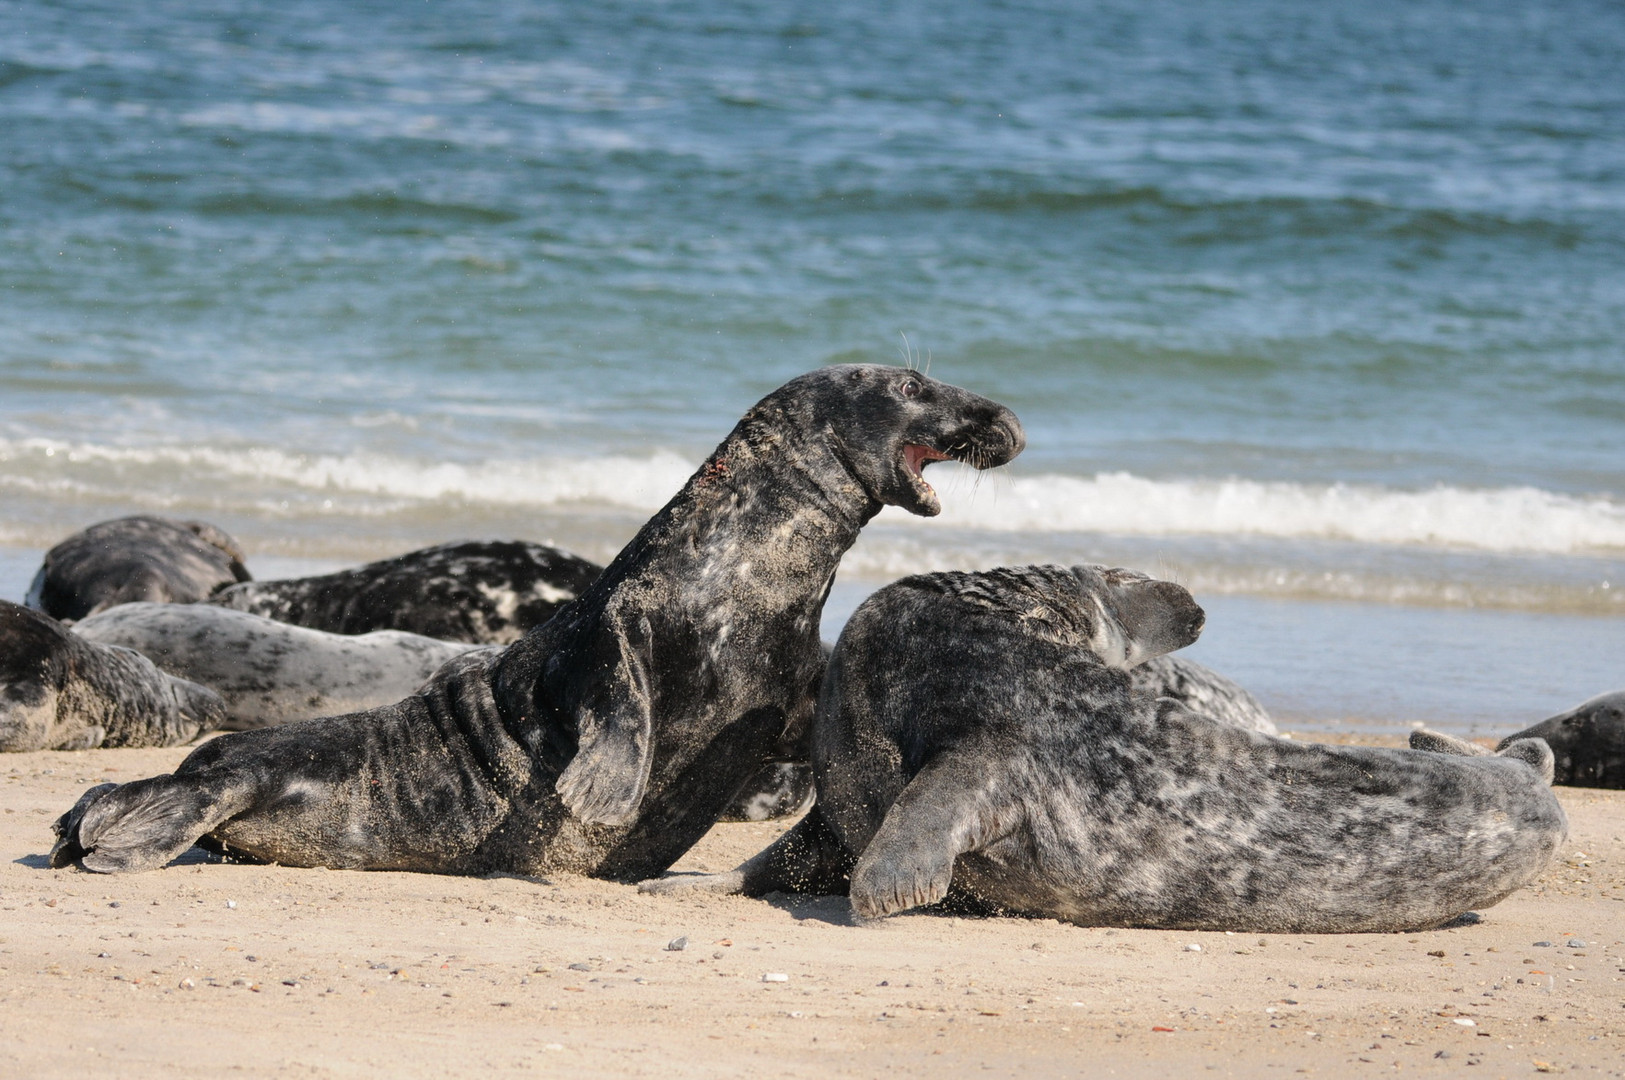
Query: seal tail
x,y
1532,752
124,828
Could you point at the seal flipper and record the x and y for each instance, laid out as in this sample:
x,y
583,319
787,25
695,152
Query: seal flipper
x,y
1435,742
1533,752
807,859
605,781
944,812
126,828
66,850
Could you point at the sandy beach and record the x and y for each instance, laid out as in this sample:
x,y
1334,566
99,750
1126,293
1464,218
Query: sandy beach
x,y
206,968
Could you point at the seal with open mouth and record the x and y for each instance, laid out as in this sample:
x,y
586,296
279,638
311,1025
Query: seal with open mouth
x,y
609,739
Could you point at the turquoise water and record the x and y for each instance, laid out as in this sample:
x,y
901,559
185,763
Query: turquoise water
x,y
1319,309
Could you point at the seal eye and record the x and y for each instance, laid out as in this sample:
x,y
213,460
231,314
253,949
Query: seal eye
x,y
910,388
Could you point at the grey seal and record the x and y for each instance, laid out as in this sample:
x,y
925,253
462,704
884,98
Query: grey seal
x,y
135,558
607,740
978,733
1587,742
489,592
786,788
58,692
270,672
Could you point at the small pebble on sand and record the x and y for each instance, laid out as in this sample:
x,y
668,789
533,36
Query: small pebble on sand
x,y
677,944
775,976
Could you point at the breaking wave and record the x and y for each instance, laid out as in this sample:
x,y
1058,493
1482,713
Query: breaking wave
x,y
1511,519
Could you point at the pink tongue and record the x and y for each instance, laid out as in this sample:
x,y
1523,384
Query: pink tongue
x,y
917,456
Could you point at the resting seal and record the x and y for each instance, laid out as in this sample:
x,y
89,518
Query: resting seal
x,y
489,592
979,732
58,692
135,558
1587,742
785,788
270,672
607,740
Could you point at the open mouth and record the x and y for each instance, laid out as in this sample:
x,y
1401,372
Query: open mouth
x,y
917,457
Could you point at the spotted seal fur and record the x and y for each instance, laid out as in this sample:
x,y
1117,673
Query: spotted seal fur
x,y
488,592
607,740
271,672
135,558
979,733
59,692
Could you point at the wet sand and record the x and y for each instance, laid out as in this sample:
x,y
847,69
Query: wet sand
x,y
212,969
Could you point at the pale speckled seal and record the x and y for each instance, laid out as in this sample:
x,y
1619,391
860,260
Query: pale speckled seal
x,y
135,558
58,692
1587,742
980,732
485,591
608,739
269,672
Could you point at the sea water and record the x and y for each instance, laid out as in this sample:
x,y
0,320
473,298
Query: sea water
x,y
1318,309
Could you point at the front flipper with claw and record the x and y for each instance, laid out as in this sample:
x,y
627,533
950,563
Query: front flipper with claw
x,y
948,809
605,781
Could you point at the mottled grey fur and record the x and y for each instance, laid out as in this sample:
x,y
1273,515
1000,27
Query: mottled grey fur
x,y
979,732
269,672
1202,690
58,692
135,558
608,739
489,592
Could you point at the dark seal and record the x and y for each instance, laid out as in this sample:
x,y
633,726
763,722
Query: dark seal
x,y
487,592
135,558
979,733
1587,742
607,740
59,692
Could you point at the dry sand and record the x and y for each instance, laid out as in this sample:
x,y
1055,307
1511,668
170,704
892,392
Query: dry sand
x,y
209,969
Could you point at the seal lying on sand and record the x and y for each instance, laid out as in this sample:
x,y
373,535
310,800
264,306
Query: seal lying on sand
x,y
979,731
786,788
1588,742
269,672
135,558
488,592
58,692
608,739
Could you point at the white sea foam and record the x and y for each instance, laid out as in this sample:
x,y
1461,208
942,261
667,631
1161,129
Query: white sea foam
x,y
1512,519
1492,519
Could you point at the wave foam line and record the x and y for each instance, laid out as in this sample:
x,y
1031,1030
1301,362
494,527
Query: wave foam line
x,y
1493,519
1513,519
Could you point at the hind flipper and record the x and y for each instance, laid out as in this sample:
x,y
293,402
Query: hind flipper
x,y
66,851
1534,752
807,859
141,825
1436,743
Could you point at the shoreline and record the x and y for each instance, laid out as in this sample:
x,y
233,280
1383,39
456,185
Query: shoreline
x,y
269,971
